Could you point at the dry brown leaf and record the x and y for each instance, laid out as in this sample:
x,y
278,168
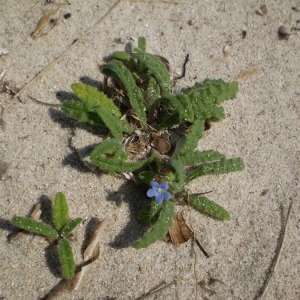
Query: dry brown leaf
x,y
90,254
161,144
45,25
180,232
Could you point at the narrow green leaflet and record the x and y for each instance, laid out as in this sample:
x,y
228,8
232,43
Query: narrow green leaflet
x,y
218,167
151,213
113,123
157,68
122,55
209,207
68,227
66,258
103,157
34,226
94,98
60,211
142,43
198,157
192,139
81,112
180,174
134,93
160,227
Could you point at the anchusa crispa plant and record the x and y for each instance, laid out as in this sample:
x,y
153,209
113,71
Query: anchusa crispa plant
x,y
154,132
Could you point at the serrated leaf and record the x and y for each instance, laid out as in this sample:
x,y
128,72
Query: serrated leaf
x,y
218,167
192,138
66,258
197,157
60,211
181,105
160,227
106,156
157,68
94,98
150,214
69,227
134,93
207,206
35,227
214,91
81,112
113,123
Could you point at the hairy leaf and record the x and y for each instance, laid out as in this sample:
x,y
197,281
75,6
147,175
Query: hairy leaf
x,y
157,68
160,227
191,140
69,227
218,167
134,93
113,123
207,206
146,176
197,157
34,226
94,98
60,211
142,43
109,156
81,112
151,213
66,258
181,105
214,91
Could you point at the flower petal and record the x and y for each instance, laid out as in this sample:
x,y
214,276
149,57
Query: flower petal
x,y
159,198
152,193
164,186
154,184
166,195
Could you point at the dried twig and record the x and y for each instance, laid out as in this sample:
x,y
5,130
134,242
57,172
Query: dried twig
x,y
156,291
261,293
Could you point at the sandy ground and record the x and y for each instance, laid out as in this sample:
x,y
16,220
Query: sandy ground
x,y
262,126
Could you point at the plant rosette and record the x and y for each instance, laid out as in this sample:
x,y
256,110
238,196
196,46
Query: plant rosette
x,y
152,131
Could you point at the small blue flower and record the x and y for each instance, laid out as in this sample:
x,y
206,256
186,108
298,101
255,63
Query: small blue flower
x,y
159,191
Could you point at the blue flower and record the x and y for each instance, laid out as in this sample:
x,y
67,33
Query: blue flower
x,y
159,191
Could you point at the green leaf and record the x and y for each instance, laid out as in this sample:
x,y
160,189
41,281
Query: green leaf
x,y
197,157
69,227
81,112
60,211
146,176
193,137
134,93
215,91
66,258
113,123
182,106
122,55
94,98
142,43
218,167
160,228
109,155
207,206
34,226
151,213
180,174
158,69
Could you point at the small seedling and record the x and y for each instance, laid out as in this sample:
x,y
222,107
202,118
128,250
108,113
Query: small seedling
x,y
61,231
154,131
